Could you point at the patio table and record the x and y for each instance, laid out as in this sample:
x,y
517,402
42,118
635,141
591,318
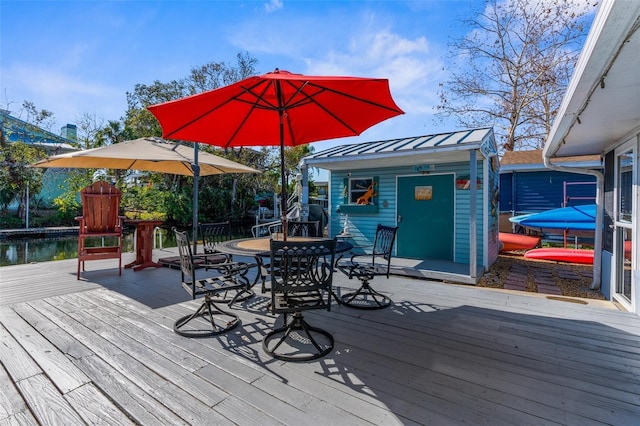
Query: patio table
x,y
144,244
260,249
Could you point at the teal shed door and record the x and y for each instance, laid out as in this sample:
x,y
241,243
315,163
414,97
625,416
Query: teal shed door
x,y
426,217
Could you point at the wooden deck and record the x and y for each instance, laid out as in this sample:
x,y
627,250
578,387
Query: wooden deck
x,y
102,350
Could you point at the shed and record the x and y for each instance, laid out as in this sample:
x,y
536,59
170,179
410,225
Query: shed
x,y
440,190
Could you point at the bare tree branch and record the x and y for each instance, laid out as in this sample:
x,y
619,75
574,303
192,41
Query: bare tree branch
x,y
517,60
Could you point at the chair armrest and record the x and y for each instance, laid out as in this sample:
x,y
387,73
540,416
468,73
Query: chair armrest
x,y
232,272
229,268
213,258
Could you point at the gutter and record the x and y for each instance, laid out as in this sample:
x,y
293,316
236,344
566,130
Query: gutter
x,y
597,254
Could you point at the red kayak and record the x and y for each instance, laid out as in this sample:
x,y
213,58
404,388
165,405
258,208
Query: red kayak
x,y
582,256
511,242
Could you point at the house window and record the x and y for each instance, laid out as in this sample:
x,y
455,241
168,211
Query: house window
x,y
362,191
625,186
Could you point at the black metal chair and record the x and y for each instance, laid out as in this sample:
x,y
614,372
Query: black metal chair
x,y
231,278
303,228
301,279
295,228
212,234
298,228
361,268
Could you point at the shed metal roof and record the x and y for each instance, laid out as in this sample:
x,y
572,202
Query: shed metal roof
x,y
429,149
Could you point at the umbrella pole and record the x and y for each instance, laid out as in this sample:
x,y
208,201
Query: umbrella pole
x,y
283,178
196,177
283,194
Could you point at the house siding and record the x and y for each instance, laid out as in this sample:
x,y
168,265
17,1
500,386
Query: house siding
x,y
491,170
363,226
527,192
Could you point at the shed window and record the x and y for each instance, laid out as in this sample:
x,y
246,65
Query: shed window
x,y
360,195
362,191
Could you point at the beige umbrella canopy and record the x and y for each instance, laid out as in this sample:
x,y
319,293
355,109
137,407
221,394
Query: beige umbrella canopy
x,y
148,154
152,155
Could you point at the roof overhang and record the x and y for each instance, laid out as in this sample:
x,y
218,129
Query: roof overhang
x,y
415,151
601,106
540,167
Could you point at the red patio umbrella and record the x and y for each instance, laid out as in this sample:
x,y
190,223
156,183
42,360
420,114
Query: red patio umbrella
x,y
278,108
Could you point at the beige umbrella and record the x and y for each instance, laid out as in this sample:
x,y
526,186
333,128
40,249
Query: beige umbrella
x,y
153,155
149,154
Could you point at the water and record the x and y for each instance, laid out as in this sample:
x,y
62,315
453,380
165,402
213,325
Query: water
x,y
20,252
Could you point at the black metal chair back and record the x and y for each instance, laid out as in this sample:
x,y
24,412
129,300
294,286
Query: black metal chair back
x,y
380,265
187,266
383,245
302,266
230,277
301,279
303,228
214,233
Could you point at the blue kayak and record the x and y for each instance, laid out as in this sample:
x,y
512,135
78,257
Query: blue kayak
x,y
582,218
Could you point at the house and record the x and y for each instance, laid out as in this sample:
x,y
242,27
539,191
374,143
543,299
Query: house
x,y
14,130
600,115
527,186
441,191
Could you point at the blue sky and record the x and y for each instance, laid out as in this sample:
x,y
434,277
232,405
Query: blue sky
x,y
81,57
77,57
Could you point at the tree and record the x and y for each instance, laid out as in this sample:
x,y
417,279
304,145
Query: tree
x,y
16,176
140,122
220,197
511,69
43,118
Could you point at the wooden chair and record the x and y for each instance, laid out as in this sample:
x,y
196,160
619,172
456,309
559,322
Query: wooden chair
x,y
366,267
100,220
301,278
230,277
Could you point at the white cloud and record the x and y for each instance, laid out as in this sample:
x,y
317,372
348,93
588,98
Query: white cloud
x,y
413,69
68,96
273,5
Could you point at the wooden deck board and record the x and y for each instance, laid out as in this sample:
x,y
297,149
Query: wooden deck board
x,y
494,380
103,348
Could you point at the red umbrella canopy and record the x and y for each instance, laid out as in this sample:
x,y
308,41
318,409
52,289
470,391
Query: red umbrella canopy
x,y
247,113
278,108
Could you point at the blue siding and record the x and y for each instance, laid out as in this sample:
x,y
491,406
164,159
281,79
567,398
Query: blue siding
x,y
543,190
493,210
362,226
506,192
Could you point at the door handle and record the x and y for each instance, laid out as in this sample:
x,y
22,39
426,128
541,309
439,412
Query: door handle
x,y
399,218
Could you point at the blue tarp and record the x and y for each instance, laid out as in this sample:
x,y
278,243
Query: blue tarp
x,y
582,218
